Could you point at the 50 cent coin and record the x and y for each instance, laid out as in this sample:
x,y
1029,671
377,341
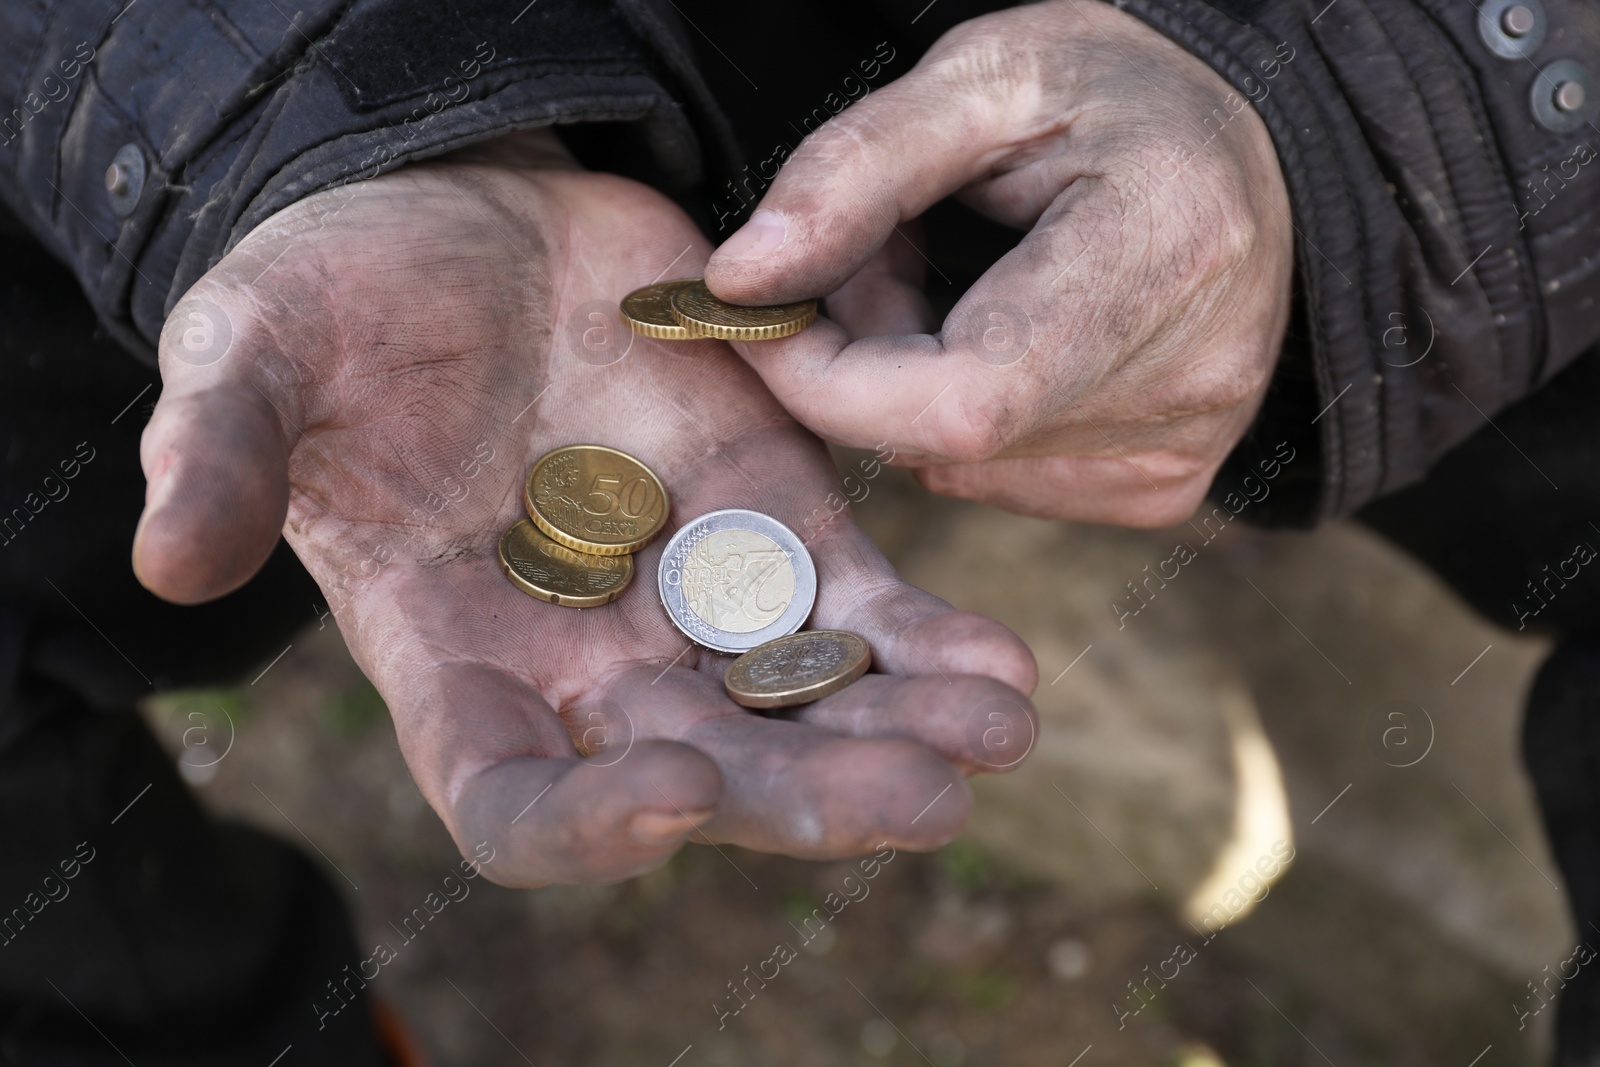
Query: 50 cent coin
x,y
595,499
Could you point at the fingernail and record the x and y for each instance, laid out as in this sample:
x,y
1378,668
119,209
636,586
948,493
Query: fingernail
x,y
759,237
656,828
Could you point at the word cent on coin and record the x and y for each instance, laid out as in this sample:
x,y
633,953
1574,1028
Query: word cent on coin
x,y
595,499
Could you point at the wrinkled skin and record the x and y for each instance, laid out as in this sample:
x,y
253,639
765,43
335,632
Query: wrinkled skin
x,y
1103,369
397,354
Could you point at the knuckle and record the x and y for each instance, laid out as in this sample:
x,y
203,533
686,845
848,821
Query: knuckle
x,y
841,180
849,147
1185,470
978,433
1234,382
1167,506
1208,241
1237,387
841,141
983,62
1239,239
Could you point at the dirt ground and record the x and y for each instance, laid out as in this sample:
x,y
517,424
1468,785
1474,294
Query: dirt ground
x,y
1222,718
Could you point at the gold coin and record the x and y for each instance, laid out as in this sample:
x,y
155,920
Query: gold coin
x,y
595,499
696,309
649,311
555,573
798,669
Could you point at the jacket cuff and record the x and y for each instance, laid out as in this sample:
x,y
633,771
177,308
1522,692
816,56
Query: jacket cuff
x,y
185,123
1434,284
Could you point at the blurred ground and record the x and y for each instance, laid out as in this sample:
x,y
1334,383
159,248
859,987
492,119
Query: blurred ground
x,y
1251,702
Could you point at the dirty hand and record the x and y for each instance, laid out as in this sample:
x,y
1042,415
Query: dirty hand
x,y
373,371
1104,368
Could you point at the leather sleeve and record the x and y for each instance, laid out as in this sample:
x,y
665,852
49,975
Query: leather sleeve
x,y
1447,207
218,113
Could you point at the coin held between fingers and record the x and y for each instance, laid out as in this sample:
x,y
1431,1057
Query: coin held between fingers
x,y
697,309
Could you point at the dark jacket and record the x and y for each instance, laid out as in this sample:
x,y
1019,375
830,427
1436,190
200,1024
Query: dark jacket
x,y
1446,208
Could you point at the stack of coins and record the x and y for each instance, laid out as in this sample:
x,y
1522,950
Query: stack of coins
x,y
589,508
684,310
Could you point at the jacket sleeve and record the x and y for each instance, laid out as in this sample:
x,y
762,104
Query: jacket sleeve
x,y
1441,162
141,140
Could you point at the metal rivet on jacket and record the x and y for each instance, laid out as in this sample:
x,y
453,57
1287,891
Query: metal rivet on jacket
x,y
1563,96
1512,29
125,180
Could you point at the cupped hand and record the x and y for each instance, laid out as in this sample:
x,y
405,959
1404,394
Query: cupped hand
x,y
374,370
1104,368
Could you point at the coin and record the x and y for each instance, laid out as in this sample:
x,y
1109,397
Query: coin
x,y
555,573
695,307
648,311
733,580
798,669
595,499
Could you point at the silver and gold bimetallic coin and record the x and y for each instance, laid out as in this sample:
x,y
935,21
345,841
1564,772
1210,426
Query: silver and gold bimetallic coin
x,y
733,580
798,669
555,573
698,311
595,499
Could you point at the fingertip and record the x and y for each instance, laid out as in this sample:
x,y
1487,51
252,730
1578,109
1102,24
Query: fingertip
x,y
965,642
801,248
588,821
934,817
980,725
743,269
656,829
676,779
1000,727
757,239
915,798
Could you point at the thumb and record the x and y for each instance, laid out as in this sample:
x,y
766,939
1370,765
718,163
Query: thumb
x,y
850,184
215,461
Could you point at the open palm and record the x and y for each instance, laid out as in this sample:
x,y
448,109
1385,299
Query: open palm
x,y
372,371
